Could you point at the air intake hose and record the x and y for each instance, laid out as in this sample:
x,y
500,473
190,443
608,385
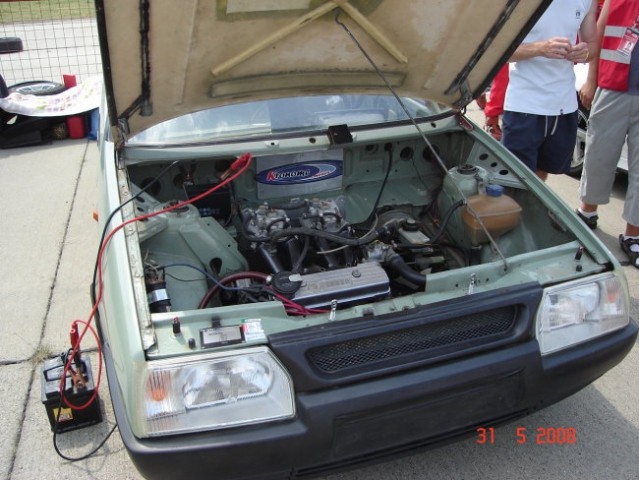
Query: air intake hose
x,y
398,265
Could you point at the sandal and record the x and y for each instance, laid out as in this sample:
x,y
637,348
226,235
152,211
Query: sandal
x,y
626,245
591,222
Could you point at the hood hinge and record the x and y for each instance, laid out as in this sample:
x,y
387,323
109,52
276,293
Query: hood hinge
x,y
462,121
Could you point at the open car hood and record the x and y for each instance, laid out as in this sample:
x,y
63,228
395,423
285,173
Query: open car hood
x,y
165,58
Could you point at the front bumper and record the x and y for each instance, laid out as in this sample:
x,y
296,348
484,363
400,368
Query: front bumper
x,y
375,420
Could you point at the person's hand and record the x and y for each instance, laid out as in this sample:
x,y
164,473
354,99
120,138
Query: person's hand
x,y
587,93
578,53
556,47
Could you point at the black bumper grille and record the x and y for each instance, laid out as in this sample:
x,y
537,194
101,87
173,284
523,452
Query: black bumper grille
x,y
465,331
341,353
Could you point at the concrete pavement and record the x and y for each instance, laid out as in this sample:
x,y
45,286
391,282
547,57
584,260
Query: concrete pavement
x,y
48,246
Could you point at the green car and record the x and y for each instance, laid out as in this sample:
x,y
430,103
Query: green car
x,y
312,258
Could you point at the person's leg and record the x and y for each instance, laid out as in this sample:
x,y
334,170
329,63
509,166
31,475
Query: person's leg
x,y
632,230
631,204
560,135
588,207
605,136
523,135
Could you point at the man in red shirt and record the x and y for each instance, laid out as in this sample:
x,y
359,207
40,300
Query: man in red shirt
x,y
612,87
495,103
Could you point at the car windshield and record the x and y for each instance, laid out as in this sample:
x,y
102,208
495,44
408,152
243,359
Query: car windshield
x,y
284,115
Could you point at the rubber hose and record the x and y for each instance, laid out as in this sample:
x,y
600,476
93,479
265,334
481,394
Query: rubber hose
x,y
398,264
352,242
447,217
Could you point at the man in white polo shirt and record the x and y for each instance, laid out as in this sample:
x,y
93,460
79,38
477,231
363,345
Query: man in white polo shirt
x,y
540,111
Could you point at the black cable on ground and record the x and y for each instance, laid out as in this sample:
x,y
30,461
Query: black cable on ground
x,y
83,457
93,298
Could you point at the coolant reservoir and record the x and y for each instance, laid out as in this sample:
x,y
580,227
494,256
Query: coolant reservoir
x,y
465,178
498,212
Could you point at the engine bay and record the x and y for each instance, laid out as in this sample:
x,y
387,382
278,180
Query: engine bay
x,y
327,230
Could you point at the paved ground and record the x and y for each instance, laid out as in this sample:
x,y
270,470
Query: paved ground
x,y
47,250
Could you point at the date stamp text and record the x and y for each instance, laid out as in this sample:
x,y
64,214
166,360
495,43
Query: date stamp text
x,y
523,435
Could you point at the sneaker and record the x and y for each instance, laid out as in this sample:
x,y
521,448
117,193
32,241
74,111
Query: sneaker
x,y
492,126
633,253
481,101
591,222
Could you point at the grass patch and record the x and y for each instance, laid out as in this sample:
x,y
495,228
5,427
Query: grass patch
x,y
39,10
41,354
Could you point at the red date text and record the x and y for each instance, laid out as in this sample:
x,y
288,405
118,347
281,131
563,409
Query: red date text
x,y
541,436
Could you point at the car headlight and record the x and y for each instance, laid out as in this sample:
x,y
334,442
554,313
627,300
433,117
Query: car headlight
x,y
581,310
209,392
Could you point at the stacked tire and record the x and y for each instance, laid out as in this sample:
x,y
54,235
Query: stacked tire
x,y
10,45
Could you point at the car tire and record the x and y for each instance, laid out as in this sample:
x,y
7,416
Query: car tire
x,y
10,45
4,91
38,87
577,162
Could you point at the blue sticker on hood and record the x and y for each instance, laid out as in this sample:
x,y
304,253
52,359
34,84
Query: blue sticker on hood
x,y
298,173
